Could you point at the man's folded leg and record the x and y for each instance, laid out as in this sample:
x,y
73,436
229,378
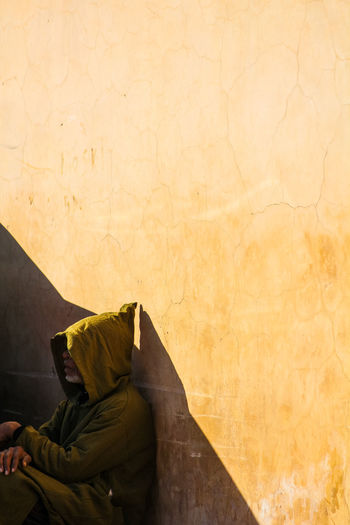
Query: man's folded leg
x,y
74,504
17,498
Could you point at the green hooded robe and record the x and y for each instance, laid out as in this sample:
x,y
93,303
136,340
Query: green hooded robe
x,y
93,461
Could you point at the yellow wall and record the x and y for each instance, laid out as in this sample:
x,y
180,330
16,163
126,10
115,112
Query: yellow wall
x,y
194,156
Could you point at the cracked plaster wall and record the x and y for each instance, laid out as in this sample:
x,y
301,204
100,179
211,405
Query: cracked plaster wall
x,y
193,156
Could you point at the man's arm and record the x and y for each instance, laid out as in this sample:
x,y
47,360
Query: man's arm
x,y
49,429
6,431
102,444
12,456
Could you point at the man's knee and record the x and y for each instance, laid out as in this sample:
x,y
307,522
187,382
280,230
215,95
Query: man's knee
x,y
11,482
17,497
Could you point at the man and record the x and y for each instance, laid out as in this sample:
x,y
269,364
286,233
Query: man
x,y
92,463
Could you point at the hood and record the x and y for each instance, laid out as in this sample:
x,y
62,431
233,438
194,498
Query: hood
x,y
101,346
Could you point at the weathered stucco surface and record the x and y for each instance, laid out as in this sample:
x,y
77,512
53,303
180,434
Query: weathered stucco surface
x,y
192,156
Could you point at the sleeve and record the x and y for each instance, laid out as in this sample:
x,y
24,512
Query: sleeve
x,y
101,445
51,428
17,432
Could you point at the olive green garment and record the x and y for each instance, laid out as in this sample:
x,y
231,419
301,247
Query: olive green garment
x,y
90,446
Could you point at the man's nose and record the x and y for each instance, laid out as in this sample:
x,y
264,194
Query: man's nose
x,y
65,355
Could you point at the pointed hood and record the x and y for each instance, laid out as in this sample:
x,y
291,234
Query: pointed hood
x,y
100,346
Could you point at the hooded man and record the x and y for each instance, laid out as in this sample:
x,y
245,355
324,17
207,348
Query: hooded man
x,y
93,461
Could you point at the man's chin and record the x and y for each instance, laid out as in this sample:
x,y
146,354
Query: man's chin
x,y
74,379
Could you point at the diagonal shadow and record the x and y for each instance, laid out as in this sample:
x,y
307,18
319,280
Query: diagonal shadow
x,y
192,487
31,312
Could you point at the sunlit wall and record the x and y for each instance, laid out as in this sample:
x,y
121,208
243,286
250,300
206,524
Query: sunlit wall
x,y
194,156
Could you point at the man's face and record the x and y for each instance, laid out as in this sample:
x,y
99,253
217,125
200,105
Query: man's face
x,y
71,370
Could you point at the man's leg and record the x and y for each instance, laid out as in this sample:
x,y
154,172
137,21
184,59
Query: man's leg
x,y
17,498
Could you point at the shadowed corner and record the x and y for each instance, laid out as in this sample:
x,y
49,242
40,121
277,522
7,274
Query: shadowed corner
x,y
192,487
31,312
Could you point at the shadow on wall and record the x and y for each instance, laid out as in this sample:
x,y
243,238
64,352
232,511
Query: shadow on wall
x,y
31,312
193,487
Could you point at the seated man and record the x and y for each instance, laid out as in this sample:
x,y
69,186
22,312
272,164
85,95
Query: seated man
x,y
93,461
